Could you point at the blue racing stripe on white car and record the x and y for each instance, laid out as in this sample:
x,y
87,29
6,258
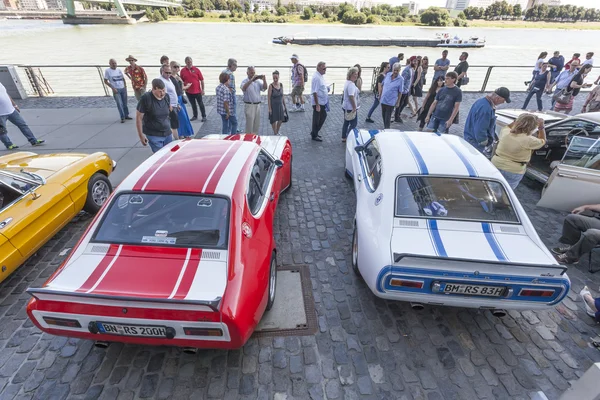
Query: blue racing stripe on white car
x,y
416,155
491,238
470,168
438,245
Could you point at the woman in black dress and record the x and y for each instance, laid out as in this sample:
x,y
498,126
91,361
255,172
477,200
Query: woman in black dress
x,y
277,108
436,85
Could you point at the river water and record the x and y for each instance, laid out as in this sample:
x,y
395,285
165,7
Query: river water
x,y
52,43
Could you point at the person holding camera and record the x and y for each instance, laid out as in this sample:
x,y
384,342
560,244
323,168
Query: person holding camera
x,y
251,87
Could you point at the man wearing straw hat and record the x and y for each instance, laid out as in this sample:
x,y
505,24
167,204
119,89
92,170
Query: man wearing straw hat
x,y
138,77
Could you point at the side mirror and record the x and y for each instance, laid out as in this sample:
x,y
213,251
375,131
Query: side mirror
x,y
278,163
359,149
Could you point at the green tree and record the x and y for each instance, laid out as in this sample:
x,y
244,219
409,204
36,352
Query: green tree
x,y
517,10
435,16
307,13
344,8
354,18
281,11
461,15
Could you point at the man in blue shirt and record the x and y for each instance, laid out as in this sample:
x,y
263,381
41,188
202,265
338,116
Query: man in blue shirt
x,y
556,64
393,84
395,60
481,121
564,79
441,65
407,74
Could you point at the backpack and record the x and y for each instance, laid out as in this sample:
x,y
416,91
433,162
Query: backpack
x,y
305,71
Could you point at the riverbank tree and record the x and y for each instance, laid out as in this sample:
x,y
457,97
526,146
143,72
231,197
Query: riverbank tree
x,y
501,10
435,16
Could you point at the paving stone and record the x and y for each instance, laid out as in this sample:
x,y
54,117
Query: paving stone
x,y
165,389
489,376
149,385
247,385
333,389
296,364
265,354
279,359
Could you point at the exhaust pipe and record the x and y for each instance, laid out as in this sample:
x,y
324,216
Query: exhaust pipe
x,y
499,313
101,345
190,350
417,306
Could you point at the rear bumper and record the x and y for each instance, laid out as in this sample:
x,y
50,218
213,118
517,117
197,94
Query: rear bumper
x,y
432,279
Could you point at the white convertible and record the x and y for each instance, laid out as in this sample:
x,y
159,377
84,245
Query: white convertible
x,y
436,223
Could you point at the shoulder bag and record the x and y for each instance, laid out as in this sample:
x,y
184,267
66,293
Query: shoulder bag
x,y
563,96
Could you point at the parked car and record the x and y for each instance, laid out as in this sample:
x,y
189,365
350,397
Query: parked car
x,y
40,194
560,129
183,253
436,223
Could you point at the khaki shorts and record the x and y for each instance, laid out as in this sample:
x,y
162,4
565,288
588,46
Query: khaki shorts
x,y
297,91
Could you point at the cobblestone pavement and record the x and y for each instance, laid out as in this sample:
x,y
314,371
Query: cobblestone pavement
x,y
366,348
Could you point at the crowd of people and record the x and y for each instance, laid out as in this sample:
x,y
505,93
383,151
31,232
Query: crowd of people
x,y
563,81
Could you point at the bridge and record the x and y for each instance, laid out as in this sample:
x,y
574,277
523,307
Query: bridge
x,y
121,12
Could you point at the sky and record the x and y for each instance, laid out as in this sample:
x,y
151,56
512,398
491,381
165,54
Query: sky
x,y
440,3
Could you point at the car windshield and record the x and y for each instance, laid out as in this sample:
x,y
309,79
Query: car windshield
x,y
583,152
163,219
466,199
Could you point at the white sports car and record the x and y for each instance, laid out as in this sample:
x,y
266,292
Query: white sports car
x,y
436,223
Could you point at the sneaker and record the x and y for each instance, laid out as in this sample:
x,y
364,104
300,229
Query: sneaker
x,y
369,120
585,291
128,117
562,249
564,259
317,139
193,118
302,109
293,109
12,147
38,142
122,120
203,119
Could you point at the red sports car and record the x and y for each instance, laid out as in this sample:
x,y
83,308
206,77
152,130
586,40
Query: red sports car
x,y
182,254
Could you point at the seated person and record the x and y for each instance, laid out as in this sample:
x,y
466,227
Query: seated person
x,y
580,234
592,306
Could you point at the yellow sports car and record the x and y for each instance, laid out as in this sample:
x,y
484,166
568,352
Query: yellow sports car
x,y
39,194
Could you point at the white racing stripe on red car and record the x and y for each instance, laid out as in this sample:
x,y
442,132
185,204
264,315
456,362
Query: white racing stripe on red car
x,y
72,277
235,166
217,166
134,177
181,145
181,273
112,262
209,282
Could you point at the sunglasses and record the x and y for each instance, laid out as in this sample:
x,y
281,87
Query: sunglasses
x,y
169,73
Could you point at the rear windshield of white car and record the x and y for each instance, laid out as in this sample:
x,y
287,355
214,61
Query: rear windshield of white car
x,y
453,198
173,220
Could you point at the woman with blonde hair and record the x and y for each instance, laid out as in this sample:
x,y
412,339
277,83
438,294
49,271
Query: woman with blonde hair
x,y
516,143
350,102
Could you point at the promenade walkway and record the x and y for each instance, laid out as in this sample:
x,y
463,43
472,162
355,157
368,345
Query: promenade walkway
x,y
365,348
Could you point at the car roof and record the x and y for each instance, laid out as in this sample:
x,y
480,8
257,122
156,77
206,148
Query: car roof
x,y
428,153
193,166
547,116
592,117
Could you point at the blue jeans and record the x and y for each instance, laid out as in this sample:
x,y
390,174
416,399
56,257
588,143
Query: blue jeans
x,y
158,142
538,96
512,178
373,107
121,100
226,125
437,125
349,125
233,122
20,123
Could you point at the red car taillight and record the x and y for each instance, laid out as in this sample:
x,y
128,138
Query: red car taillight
x,y
536,293
71,323
203,331
406,283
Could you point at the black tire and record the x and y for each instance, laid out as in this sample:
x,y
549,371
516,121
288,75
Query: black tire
x,y
347,174
271,289
99,188
291,166
355,251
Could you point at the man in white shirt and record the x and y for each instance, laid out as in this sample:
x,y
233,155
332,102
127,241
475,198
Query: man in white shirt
x,y
165,76
9,111
114,79
588,59
251,87
319,100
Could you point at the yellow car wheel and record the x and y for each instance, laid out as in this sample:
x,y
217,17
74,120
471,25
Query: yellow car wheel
x,y
99,188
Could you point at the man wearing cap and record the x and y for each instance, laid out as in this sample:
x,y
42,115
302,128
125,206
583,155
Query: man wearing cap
x,y
297,83
480,126
138,77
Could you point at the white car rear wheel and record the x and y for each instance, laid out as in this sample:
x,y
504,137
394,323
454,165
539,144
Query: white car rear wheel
x,y
355,251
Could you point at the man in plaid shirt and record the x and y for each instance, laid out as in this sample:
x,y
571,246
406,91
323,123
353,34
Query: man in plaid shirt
x,y
231,67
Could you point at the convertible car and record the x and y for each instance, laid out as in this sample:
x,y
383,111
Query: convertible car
x,y
560,130
436,223
182,254
39,194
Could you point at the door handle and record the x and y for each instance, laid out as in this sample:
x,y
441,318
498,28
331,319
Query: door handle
x,y
5,222
359,177
272,196
568,175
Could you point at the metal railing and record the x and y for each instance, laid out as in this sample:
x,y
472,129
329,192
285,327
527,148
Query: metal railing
x,y
88,80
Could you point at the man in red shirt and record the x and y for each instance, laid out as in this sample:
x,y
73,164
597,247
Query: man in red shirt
x,y
137,75
575,58
194,87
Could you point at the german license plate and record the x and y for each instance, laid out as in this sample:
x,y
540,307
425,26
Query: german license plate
x,y
132,330
474,290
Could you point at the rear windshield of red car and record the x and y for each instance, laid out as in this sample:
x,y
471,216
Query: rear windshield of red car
x,y
467,199
173,220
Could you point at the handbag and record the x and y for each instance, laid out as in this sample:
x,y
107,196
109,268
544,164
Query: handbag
x,y
349,115
562,96
285,116
594,105
464,81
